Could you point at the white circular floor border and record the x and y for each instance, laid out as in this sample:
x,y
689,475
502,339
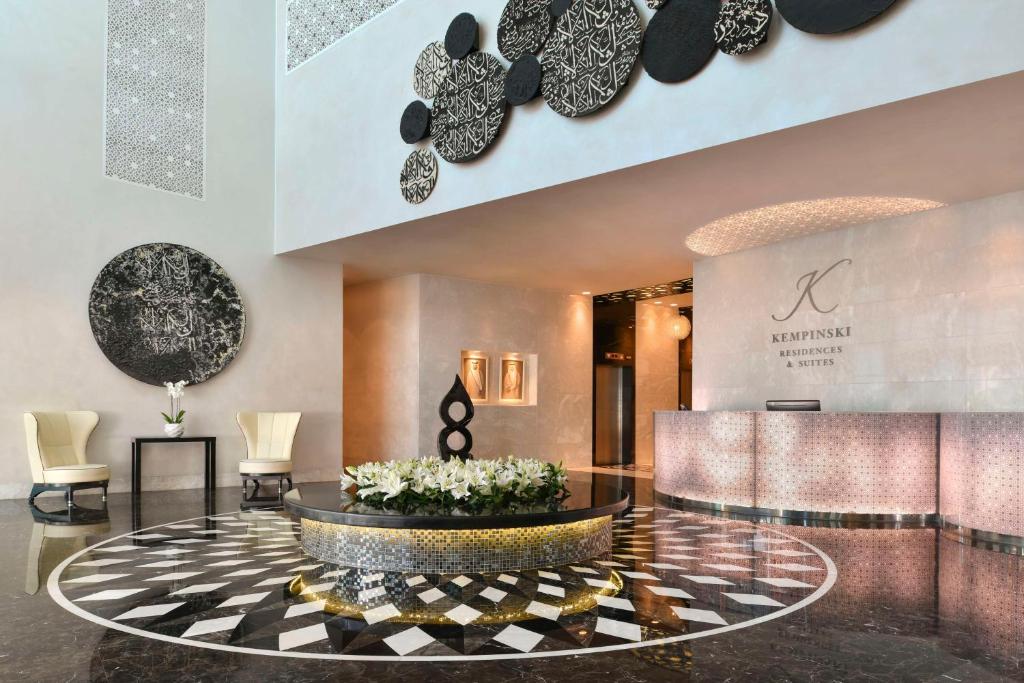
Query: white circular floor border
x,y
53,587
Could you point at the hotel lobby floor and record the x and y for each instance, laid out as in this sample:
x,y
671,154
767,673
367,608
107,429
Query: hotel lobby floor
x,y
725,600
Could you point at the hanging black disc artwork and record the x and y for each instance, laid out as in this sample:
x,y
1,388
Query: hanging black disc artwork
x,y
523,81
457,394
559,7
165,313
415,122
418,176
680,39
432,66
469,108
743,25
590,55
830,16
463,36
523,28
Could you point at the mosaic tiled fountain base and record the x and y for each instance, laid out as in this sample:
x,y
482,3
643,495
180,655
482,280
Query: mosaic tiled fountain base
x,y
241,582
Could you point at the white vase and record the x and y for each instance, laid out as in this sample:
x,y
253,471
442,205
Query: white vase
x,y
174,429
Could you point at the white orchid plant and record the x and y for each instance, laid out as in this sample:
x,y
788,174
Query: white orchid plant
x,y
473,485
175,390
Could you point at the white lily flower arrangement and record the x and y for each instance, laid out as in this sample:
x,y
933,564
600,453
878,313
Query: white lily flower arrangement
x,y
175,390
471,486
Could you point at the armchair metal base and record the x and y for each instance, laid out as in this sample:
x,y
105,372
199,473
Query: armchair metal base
x,y
69,490
257,478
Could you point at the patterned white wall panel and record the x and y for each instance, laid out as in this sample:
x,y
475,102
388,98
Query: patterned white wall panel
x,y
315,25
155,110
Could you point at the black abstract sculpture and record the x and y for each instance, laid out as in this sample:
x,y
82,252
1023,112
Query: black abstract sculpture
x,y
457,394
463,36
415,122
523,81
830,16
469,108
743,25
590,55
680,39
164,313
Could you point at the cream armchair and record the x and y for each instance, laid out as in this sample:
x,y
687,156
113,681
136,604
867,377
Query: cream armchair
x,y
56,453
268,444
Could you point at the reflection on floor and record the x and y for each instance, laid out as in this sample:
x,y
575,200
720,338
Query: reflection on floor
x,y
906,604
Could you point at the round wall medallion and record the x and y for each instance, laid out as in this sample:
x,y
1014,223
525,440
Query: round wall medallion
x,y
656,4
523,28
680,39
743,25
415,122
590,55
830,16
463,36
559,7
469,108
164,313
523,81
419,176
432,66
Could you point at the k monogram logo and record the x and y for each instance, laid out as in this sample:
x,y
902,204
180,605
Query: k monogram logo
x,y
807,283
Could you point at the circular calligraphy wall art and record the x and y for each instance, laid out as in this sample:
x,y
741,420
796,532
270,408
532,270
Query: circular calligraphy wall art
x,y
469,108
590,55
164,313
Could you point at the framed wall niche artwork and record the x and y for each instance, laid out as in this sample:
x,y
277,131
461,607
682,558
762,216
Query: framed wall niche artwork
x,y
513,379
474,375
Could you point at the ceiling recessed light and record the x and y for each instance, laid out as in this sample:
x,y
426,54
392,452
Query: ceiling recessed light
x,y
657,303
586,293
673,305
769,224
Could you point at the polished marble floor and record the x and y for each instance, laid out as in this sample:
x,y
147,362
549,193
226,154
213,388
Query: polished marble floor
x,y
180,588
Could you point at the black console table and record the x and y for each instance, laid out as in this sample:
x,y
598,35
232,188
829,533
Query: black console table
x,y
211,457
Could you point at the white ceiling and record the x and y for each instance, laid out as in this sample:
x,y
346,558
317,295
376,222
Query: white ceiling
x,y
627,229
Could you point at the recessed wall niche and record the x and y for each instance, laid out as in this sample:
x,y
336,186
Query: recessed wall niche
x,y
499,378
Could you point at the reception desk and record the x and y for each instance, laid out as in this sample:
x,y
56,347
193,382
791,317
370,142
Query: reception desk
x,y
962,469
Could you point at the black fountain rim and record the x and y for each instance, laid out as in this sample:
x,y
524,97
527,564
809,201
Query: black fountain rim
x,y
321,511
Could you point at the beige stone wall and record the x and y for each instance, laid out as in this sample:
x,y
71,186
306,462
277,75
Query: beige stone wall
x,y
381,369
657,372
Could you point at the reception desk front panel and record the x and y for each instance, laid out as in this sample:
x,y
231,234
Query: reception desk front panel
x,y
872,463
863,463
982,472
707,456
965,469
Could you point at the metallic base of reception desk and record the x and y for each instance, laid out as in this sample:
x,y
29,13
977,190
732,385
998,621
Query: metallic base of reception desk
x,y
976,538
839,520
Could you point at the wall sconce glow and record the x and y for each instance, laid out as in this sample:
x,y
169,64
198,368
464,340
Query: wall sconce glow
x,y
769,224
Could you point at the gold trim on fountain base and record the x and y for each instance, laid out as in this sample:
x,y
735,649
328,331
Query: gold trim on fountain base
x,y
447,551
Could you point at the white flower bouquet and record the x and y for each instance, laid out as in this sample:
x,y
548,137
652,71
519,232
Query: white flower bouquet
x,y
472,486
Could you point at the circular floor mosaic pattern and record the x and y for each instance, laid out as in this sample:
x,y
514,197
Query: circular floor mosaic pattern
x,y
240,582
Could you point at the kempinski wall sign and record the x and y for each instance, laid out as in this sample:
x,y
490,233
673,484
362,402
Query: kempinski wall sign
x,y
828,340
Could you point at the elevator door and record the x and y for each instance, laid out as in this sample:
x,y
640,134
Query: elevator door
x,y
613,415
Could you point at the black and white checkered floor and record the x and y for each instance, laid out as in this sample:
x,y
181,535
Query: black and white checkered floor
x,y
241,582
